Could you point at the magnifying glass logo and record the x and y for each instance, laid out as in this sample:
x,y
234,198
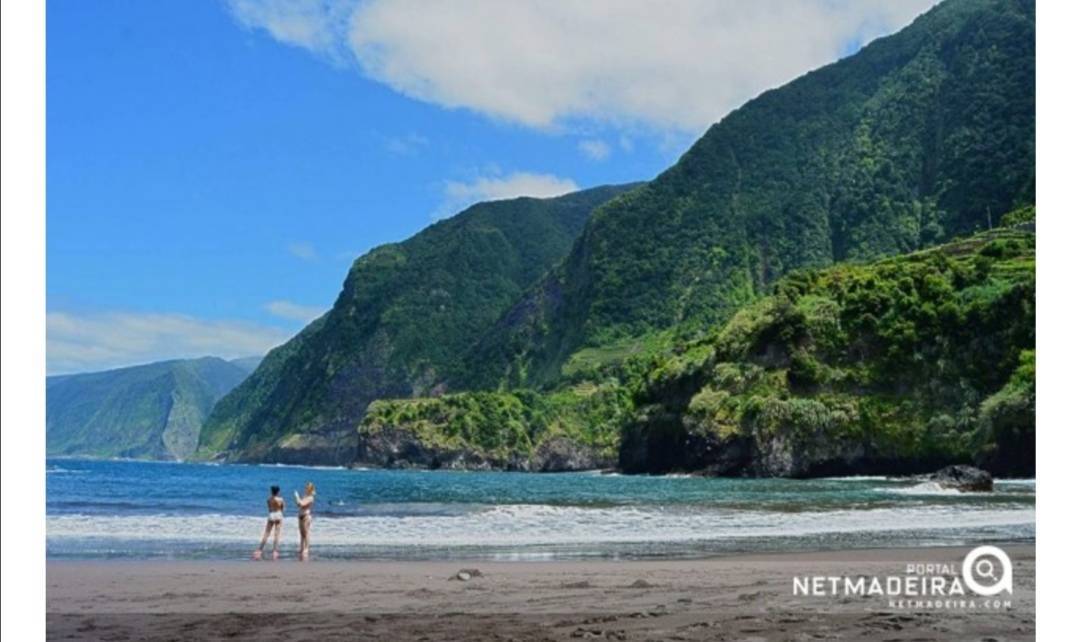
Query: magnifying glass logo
x,y
982,563
985,568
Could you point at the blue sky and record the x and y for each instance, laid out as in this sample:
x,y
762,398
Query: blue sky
x,y
214,167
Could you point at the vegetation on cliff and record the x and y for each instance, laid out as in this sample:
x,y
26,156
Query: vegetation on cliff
x,y
900,364
504,429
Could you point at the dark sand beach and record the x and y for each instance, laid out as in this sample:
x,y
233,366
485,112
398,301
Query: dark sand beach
x,y
741,597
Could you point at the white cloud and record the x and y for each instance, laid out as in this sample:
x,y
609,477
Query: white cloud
x,y
680,65
320,26
303,250
596,150
458,195
293,311
85,342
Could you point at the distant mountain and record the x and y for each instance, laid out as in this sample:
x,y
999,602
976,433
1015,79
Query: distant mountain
x,y
152,411
917,138
407,314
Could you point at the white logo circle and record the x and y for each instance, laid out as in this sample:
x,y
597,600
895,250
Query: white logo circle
x,y
983,576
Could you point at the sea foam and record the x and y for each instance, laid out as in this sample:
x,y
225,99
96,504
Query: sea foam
x,y
517,525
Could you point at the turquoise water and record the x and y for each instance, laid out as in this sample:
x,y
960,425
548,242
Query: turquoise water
x,y
128,509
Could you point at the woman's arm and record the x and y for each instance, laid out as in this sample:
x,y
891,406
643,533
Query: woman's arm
x,y
303,501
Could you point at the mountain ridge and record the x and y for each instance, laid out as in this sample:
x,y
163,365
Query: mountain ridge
x,y
406,312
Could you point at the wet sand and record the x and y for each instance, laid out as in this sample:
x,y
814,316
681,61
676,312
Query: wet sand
x,y
743,597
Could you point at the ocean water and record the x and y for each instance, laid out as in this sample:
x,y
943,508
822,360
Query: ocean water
x,y
130,509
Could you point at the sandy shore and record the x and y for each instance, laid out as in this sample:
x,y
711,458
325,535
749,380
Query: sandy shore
x,y
747,597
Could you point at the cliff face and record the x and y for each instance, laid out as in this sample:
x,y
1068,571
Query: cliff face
x,y
406,315
404,448
897,366
153,411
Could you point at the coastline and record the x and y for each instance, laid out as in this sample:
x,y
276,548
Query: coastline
x,y
612,471
741,596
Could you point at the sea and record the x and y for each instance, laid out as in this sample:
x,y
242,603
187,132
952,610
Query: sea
x,y
108,509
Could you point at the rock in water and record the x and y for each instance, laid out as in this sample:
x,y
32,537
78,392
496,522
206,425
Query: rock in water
x,y
964,478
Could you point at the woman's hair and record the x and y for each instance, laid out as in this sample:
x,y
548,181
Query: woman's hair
x,y
309,488
275,489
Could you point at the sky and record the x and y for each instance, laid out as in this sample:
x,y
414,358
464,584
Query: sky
x,y
214,166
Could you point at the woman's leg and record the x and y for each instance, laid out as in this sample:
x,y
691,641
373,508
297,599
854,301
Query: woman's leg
x,y
277,538
305,537
262,544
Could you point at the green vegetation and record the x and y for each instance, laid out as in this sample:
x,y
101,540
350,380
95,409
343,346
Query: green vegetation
x,y
920,137
507,426
1019,217
898,364
150,411
1007,421
407,314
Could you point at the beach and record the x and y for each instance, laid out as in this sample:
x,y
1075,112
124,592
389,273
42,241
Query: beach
x,y
736,597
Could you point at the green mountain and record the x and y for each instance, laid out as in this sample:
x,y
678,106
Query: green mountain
x,y
739,314
918,138
407,314
151,411
898,365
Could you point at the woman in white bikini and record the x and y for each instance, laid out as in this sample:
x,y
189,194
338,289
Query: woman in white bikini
x,y
275,507
304,505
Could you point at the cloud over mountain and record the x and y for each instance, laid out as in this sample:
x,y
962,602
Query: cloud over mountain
x,y
458,195
677,66
85,342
